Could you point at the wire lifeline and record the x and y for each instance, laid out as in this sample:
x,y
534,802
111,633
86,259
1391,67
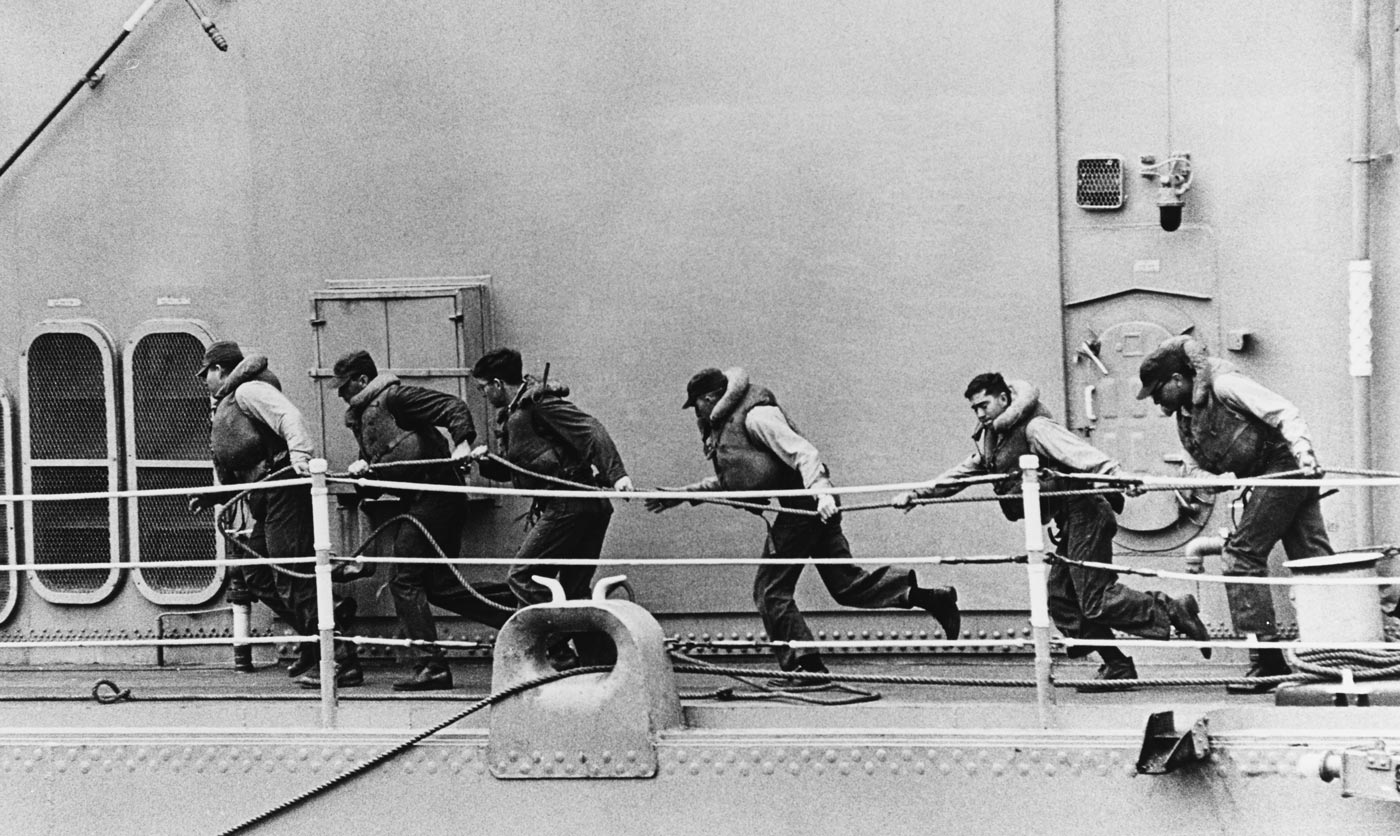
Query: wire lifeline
x,y
1088,684
1227,579
698,497
580,490
395,751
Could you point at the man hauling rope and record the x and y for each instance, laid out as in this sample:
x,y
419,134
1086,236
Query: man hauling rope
x,y
1231,424
257,433
394,422
754,446
541,432
1085,602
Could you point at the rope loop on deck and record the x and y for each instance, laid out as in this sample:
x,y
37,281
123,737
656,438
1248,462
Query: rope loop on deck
x,y
116,693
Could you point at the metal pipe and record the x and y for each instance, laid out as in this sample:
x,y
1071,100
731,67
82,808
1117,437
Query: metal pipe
x,y
92,78
1197,549
1036,577
325,604
1360,271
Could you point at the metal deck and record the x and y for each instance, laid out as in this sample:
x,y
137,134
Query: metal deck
x,y
198,750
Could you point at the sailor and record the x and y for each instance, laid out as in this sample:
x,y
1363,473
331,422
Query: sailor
x,y
1085,603
755,446
255,432
542,434
1231,424
394,422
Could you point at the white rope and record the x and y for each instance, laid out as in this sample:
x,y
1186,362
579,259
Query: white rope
x,y
53,497
1242,644
5,645
1219,483
993,560
163,564
853,643
1294,580
365,640
656,494
482,490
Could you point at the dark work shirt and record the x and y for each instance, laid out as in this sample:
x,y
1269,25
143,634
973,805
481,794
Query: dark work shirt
x,y
415,406
586,438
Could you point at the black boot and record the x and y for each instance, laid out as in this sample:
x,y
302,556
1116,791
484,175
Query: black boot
x,y
1185,615
308,656
1262,663
430,676
941,602
348,674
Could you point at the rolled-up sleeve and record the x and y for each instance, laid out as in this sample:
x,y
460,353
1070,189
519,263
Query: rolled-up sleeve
x,y
1059,444
769,426
267,404
1268,406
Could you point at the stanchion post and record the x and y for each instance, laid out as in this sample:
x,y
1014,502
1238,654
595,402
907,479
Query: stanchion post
x,y
242,651
325,604
1036,577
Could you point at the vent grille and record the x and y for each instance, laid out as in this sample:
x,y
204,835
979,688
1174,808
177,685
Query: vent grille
x,y
76,531
1099,183
8,590
168,532
170,404
167,448
67,430
67,398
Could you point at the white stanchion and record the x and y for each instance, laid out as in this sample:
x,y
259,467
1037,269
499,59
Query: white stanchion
x,y
325,603
1036,577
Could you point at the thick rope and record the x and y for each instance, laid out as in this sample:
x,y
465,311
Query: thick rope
x,y
1330,663
875,679
409,518
362,768
762,691
225,519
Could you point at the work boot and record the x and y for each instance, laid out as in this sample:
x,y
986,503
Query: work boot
x,y
941,602
1110,674
1185,616
1262,663
348,674
308,657
433,676
805,664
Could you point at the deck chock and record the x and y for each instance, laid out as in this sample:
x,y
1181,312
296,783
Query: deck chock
x,y
601,725
1366,772
1164,749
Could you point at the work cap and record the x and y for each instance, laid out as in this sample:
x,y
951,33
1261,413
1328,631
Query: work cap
x,y
355,363
1157,367
224,353
703,383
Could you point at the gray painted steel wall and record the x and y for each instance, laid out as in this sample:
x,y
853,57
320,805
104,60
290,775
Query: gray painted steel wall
x,y
865,204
